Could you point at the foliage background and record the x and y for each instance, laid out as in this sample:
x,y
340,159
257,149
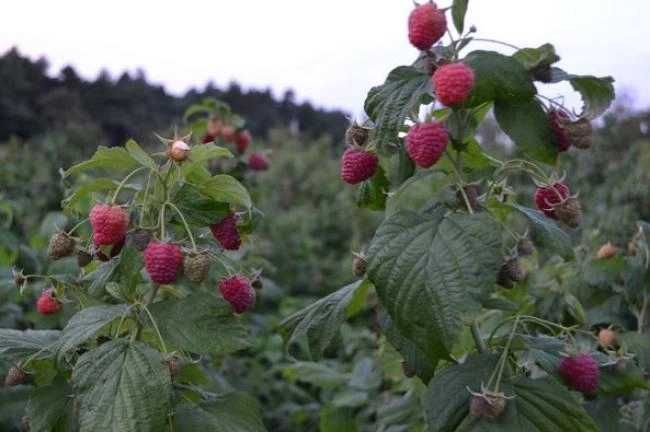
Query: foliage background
x,y
304,244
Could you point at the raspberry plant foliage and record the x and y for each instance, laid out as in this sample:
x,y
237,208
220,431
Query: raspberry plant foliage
x,y
447,264
141,307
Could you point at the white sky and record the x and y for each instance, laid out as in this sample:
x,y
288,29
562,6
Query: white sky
x,y
329,51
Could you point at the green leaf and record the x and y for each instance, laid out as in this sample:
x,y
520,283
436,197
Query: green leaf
x,y
359,301
115,159
199,209
527,124
13,401
446,400
373,192
547,233
122,386
575,308
84,191
140,155
222,187
402,167
420,189
622,381
317,374
232,412
389,104
498,78
85,323
533,58
310,331
597,94
541,405
413,356
458,11
128,273
365,375
606,412
476,164
639,345
17,344
212,329
48,405
206,152
431,271
333,419
99,277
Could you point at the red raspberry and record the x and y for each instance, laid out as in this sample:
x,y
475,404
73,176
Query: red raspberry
x,y
47,304
163,261
109,223
258,162
558,121
580,372
225,232
237,290
242,140
358,165
547,198
426,142
453,83
427,24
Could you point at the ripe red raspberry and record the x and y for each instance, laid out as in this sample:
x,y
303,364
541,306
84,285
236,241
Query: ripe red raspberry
x,y
427,24
558,121
237,291
47,304
242,140
426,142
453,83
580,372
358,165
258,162
163,261
109,223
547,198
225,232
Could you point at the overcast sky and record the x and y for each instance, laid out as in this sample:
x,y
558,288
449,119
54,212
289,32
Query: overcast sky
x,y
329,51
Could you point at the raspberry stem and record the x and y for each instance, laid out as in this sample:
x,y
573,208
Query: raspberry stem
x,y
530,168
495,41
161,222
503,358
642,314
478,341
122,319
123,182
144,199
187,228
155,326
456,163
77,226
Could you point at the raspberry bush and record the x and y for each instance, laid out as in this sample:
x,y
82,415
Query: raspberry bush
x,y
148,302
448,276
